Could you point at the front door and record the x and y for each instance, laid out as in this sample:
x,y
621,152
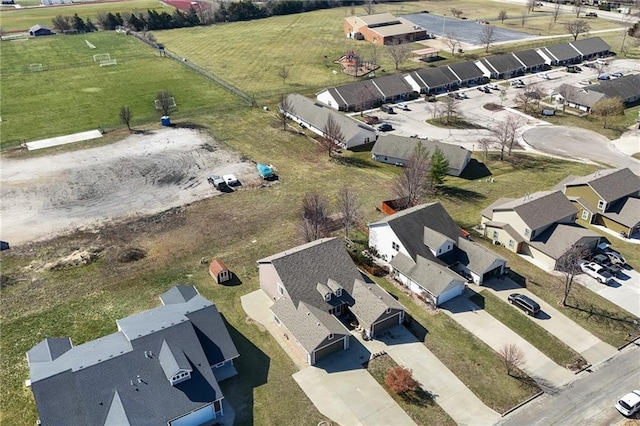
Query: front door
x,y
337,310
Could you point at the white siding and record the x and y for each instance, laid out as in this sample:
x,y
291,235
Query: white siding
x,y
450,294
382,237
414,85
326,98
195,418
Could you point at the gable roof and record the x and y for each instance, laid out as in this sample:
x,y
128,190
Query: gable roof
x,y
94,372
625,211
179,294
610,184
585,96
563,52
590,46
529,57
538,209
316,114
429,274
477,258
466,70
301,268
556,240
626,87
433,77
504,63
392,86
402,147
371,302
409,224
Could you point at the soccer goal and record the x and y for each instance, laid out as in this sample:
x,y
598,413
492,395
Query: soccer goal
x,y
91,46
107,62
171,103
98,57
35,67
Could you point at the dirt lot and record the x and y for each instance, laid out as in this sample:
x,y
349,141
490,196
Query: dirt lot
x,y
140,175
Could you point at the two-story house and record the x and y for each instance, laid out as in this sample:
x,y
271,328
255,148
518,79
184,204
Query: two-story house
x,y
161,367
318,292
428,252
610,198
541,225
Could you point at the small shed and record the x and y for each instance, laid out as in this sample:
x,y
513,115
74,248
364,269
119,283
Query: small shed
x,y
219,271
38,30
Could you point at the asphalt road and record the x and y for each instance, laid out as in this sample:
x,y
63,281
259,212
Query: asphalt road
x,y
589,400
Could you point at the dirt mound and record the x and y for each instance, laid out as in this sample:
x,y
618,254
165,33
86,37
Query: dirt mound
x,y
77,258
131,254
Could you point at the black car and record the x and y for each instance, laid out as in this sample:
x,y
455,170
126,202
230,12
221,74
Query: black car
x,y
387,109
525,303
385,127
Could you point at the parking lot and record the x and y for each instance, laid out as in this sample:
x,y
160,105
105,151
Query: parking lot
x,y
623,290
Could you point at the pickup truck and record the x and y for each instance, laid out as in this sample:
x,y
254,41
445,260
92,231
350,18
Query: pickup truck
x,y
217,182
596,271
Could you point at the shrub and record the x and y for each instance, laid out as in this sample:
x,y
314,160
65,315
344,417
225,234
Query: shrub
x,y
400,380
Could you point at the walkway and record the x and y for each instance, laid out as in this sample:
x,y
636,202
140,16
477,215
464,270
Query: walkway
x,y
63,140
462,405
547,373
577,338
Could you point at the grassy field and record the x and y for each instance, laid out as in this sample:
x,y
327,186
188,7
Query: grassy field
x,y
545,342
417,404
23,19
75,94
616,126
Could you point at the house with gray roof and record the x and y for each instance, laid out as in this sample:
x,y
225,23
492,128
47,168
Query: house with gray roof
x,y
432,80
560,54
397,150
590,48
467,73
625,88
580,98
502,66
540,225
531,59
314,116
366,94
318,292
429,254
162,367
39,30
609,198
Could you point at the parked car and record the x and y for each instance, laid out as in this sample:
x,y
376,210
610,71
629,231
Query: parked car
x,y
462,95
629,404
589,64
387,109
371,119
604,77
493,86
591,15
584,82
616,74
525,303
484,89
603,260
517,83
596,271
230,180
403,107
615,257
385,127
217,182
601,61
577,68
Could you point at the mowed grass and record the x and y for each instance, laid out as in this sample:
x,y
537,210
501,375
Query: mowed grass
x,y
616,125
23,19
75,94
544,341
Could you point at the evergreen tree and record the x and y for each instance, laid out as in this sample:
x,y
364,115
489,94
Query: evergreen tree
x,y
439,168
77,23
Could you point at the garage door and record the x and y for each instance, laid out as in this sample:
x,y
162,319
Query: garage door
x,y
330,349
491,274
386,323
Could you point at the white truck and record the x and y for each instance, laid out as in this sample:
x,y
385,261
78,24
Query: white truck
x,y
596,271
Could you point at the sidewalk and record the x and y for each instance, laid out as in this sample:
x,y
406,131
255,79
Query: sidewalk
x,y
547,373
577,338
462,405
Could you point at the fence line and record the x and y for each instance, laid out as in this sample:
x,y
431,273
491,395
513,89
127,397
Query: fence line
x,y
225,85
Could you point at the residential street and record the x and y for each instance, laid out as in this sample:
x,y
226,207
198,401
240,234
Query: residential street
x,y
588,400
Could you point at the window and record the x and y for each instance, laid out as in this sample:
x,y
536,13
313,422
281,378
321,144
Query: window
x,y
511,243
388,310
448,246
280,289
330,336
533,234
276,319
585,215
527,232
395,246
339,292
601,205
439,251
217,406
327,297
495,235
220,364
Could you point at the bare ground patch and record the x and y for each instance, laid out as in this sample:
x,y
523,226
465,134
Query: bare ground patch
x,y
143,174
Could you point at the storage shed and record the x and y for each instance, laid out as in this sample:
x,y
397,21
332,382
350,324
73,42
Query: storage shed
x,y
219,271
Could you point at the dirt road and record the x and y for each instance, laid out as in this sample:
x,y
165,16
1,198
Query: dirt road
x,y
142,174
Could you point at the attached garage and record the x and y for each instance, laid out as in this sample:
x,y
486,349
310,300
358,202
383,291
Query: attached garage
x,y
450,293
492,273
329,349
386,323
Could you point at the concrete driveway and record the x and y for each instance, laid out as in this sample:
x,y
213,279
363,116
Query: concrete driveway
x,y
462,405
345,392
548,374
624,290
577,338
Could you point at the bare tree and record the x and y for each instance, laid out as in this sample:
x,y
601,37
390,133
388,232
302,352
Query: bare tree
x,y
523,19
569,266
503,135
125,116
556,11
374,55
285,109
332,136
450,108
577,7
600,67
485,144
315,213
531,94
577,27
451,40
627,22
165,102
531,5
607,108
398,52
349,207
409,186
369,7
456,12
503,96
568,93
284,74
512,357
487,37
502,15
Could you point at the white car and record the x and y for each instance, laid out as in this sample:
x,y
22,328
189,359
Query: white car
x,y
230,180
615,257
403,107
629,404
493,86
584,82
596,271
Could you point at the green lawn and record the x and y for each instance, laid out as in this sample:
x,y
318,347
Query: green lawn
x,y
417,404
545,342
23,19
616,126
75,94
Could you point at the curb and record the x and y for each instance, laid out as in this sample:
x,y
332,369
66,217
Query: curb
x,y
512,409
